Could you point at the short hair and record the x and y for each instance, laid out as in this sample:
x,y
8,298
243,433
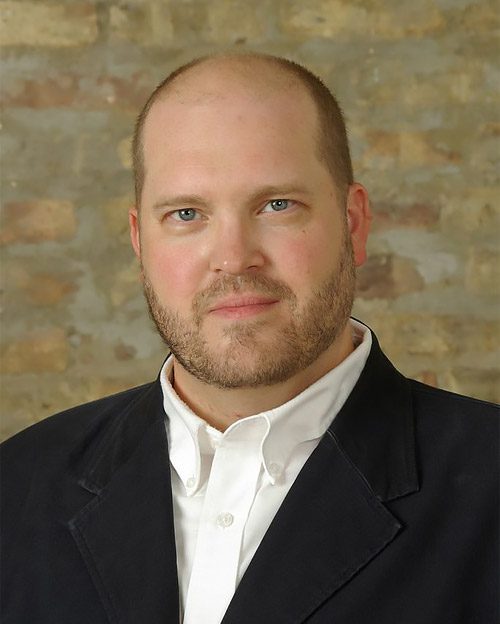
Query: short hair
x,y
333,144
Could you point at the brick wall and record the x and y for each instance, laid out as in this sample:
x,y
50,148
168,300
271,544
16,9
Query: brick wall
x,y
419,82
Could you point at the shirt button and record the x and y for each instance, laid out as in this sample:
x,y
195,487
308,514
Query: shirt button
x,y
225,519
275,469
190,482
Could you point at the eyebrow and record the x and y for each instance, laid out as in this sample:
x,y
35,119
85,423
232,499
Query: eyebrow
x,y
278,191
179,200
275,191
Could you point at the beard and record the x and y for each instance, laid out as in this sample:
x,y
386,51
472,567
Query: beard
x,y
248,353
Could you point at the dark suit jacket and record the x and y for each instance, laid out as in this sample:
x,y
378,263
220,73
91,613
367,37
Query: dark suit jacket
x,y
393,519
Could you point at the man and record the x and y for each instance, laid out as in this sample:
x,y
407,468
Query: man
x,y
280,470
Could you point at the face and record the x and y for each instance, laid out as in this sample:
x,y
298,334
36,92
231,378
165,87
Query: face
x,y
248,258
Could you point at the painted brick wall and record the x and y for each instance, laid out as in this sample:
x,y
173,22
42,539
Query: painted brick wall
x,y
420,85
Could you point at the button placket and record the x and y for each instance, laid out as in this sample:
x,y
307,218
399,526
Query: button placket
x,y
230,492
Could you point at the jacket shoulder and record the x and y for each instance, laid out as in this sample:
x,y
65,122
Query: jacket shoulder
x,y
42,462
456,425
437,401
59,433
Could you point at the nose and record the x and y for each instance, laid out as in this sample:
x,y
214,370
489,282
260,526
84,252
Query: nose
x,y
235,248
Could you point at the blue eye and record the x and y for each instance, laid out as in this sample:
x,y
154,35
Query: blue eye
x,y
185,214
277,205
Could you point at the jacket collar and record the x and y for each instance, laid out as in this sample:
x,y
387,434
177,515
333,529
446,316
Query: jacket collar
x,y
375,428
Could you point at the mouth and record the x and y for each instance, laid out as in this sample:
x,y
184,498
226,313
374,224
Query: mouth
x,y
242,306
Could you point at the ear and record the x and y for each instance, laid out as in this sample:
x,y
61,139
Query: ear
x,y
358,220
133,220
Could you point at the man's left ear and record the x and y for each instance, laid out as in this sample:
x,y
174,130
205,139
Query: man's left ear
x,y
358,220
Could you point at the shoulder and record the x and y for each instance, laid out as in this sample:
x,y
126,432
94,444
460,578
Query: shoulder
x,y
43,462
74,427
450,425
438,403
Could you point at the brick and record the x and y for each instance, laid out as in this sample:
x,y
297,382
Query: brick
x,y
36,221
386,276
189,20
482,274
474,381
408,19
124,151
405,149
415,150
36,352
126,285
244,21
116,216
490,128
422,336
474,211
37,288
405,335
343,20
49,25
322,18
148,24
162,30
428,377
46,93
47,290
481,17
85,92
128,23
124,352
420,216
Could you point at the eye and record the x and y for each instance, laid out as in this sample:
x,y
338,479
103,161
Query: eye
x,y
184,214
277,205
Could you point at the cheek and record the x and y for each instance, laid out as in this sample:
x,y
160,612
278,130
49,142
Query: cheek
x,y
174,272
306,259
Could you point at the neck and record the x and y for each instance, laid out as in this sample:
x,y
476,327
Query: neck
x,y
220,408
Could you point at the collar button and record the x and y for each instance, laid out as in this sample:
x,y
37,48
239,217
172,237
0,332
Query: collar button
x,y
275,469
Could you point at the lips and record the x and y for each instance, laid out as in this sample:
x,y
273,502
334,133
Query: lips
x,y
240,305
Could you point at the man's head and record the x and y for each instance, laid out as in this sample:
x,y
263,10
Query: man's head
x,y
248,234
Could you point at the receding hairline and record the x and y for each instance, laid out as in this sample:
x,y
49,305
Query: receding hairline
x,y
239,66
243,66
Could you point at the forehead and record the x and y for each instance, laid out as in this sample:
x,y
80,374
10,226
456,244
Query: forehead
x,y
241,104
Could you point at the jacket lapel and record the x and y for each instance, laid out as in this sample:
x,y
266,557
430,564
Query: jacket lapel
x,y
333,521
125,534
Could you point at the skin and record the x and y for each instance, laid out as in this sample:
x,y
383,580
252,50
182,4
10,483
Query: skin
x,y
223,148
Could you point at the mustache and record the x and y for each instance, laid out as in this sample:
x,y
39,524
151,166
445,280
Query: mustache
x,y
234,284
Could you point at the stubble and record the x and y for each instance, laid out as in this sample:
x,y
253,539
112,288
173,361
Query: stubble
x,y
248,353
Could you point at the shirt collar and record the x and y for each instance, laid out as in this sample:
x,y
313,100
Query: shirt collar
x,y
277,431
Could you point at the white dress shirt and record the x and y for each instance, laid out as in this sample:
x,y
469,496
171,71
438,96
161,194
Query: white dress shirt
x,y
227,486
